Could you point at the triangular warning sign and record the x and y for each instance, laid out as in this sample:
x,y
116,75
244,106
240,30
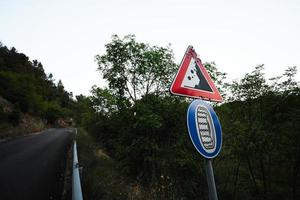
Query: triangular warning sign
x,y
192,79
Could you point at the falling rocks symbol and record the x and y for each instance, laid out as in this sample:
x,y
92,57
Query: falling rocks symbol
x,y
195,79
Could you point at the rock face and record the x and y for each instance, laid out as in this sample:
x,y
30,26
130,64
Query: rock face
x,y
13,122
31,124
6,106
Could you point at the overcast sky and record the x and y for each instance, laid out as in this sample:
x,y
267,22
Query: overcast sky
x,y
65,35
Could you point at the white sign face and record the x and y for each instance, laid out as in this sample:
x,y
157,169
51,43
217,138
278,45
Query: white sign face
x,y
190,78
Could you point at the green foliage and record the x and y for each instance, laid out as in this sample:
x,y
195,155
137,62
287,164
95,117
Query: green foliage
x,y
261,148
25,84
252,86
52,111
82,109
134,69
218,77
261,138
145,129
100,177
152,147
105,102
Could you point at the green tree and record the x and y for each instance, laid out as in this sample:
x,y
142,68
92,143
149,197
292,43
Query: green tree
x,y
218,78
260,133
83,110
251,86
134,69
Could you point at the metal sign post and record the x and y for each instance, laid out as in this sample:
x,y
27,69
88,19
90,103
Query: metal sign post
x,y
210,180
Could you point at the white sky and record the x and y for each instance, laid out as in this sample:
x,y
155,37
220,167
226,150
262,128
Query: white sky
x,y
65,35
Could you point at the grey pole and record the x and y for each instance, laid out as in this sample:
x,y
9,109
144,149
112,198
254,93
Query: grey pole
x,y
210,180
76,186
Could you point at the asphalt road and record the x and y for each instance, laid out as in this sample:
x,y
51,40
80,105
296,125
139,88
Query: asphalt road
x,y
32,167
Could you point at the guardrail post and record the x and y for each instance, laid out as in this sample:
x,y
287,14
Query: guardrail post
x,y
76,186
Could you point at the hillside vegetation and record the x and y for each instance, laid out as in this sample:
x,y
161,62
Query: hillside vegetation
x,y
30,99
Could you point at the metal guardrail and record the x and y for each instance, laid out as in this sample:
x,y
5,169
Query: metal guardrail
x,y
76,185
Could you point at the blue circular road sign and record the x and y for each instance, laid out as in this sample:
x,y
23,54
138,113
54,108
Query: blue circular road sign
x,y
204,128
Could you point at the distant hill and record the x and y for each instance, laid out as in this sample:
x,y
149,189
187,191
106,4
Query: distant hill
x,y
25,88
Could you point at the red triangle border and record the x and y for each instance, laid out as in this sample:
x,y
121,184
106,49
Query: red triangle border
x,y
176,88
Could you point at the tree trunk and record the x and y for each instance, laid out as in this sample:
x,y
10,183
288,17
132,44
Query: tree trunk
x,y
252,176
236,178
295,175
262,167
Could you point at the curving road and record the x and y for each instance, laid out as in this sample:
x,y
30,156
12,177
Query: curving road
x,y
32,167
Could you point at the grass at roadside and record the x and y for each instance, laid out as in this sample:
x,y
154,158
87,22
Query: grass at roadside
x,y
100,177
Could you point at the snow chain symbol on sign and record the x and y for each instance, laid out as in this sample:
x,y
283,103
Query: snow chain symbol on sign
x,y
205,128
